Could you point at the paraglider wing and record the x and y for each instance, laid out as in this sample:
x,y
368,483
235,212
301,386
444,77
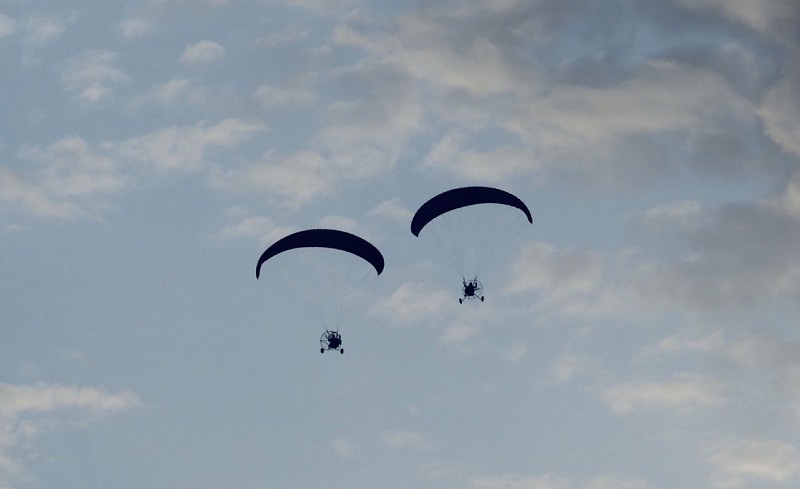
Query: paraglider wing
x,y
463,197
325,238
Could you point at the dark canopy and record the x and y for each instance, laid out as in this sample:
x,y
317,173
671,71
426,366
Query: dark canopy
x,y
463,197
325,238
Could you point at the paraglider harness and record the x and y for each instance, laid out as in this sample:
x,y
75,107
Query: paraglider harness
x,y
471,290
330,340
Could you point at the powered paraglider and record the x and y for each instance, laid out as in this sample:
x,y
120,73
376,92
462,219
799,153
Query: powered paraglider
x,y
468,226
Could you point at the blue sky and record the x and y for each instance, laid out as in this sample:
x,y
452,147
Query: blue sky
x,y
640,335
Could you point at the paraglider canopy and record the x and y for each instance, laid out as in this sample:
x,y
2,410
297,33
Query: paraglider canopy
x,y
325,238
468,235
320,276
463,197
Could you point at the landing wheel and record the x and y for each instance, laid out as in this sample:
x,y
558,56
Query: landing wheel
x,y
324,343
460,301
341,351
481,298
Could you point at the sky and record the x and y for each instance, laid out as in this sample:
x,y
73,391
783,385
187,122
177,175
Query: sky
x,y
641,334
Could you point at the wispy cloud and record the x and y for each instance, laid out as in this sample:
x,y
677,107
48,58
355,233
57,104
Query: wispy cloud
x,y
460,331
761,16
71,168
43,29
567,366
185,148
406,439
8,26
780,111
740,256
72,177
92,75
552,481
393,209
343,447
247,226
28,411
180,93
297,95
19,193
578,122
411,303
683,394
136,27
300,177
743,462
557,274
201,53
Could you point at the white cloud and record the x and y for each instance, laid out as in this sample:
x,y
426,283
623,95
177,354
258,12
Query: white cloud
x,y
71,177
662,97
342,223
381,119
548,481
789,200
760,363
19,400
562,127
92,75
673,215
611,482
8,26
411,303
320,7
343,447
740,256
733,258
551,481
740,462
20,193
170,92
760,16
780,110
480,67
679,344
28,411
67,179
261,228
684,394
458,332
184,148
185,92
280,38
556,274
135,27
203,52
393,209
566,366
515,353
301,177
71,168
758,351
41,30
298,177
494,166
406,439
359,137
296,95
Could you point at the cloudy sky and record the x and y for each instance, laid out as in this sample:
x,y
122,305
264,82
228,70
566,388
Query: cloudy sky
x,y
642,334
